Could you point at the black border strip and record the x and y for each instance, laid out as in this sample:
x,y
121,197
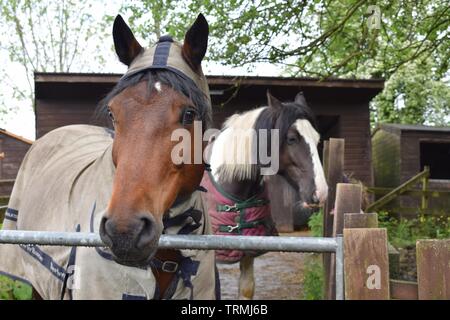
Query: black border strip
x,y
11,214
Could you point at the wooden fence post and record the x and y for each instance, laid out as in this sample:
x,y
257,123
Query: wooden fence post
x,y
333,160
348,199
433,269
366,266
360,220
424,203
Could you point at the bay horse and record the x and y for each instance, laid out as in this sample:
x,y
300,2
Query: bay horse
x,y
122,184
237,197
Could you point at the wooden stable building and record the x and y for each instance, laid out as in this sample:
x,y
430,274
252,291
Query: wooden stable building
x,y
399,152
12,150
341,106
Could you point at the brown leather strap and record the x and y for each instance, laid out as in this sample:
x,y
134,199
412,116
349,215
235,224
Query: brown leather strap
x,y
164,279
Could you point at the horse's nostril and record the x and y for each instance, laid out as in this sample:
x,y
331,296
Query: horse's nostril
x,y
147,233
106,231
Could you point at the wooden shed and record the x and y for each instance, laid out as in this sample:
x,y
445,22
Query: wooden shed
x,y
12,150
341,106
400,152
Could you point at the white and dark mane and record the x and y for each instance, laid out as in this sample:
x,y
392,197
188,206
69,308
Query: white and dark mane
x,y
239,139
231,156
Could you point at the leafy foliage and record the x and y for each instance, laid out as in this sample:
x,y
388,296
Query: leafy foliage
x,y
14,290
413,95
151,19
405,42
315,224
405,232
45,36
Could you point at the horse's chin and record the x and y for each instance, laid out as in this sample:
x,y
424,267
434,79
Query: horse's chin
x,y
137,262
133,263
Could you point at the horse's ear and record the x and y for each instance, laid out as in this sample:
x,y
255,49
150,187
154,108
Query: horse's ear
x,y
300,99
126,45
273,102
196,42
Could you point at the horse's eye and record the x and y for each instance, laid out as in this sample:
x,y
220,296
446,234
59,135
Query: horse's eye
x,y
292,140
188,116
110,114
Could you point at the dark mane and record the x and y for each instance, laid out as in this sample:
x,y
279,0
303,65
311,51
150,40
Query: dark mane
x,y
180,84
282,119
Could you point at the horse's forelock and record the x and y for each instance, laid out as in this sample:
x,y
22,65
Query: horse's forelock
x,y
283,118
166,77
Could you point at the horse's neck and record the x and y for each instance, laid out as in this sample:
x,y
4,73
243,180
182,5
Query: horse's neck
x,y
242,189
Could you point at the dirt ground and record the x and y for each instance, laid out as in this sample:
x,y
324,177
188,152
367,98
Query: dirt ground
x,y
278,275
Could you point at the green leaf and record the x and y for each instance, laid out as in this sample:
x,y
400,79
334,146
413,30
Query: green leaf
x,y
22,291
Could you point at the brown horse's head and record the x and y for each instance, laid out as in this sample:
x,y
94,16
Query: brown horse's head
x,y
146,106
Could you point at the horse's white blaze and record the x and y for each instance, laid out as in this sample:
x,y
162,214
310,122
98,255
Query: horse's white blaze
x,y
158,86
312,137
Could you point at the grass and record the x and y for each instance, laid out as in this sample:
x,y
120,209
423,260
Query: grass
x,y
13,289
313,278
313,275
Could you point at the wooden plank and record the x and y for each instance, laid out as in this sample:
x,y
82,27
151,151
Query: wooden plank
x,y
348,199
399,190
433,269
326,257
335,172
370,220
394,261
326,156
366,266
360,220
403,290
334,175
424,204
414,192
222,80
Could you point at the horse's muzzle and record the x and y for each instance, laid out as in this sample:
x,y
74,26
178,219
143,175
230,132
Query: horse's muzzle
x,y
132,243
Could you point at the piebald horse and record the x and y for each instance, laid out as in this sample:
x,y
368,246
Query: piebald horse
x,y
236,197
122,184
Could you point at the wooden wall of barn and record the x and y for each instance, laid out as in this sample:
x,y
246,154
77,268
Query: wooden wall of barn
x,y
410,159
341,113
342,110
410,151
14,150
386,159
396,158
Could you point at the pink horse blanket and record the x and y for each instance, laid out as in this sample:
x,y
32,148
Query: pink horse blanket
x,y
233,216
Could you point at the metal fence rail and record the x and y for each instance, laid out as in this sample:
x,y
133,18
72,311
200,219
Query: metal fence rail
x,y
200,242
